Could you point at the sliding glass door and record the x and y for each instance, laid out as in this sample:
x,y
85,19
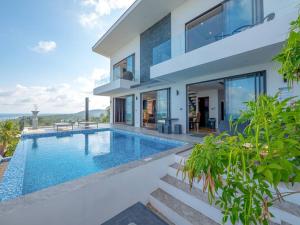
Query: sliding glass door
x,y
124,110
242,89
162,104
155,106
129,110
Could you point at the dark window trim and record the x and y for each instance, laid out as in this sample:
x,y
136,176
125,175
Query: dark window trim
x,y
259,8
133,56
133,108
197,17
141,103
262,72
255,74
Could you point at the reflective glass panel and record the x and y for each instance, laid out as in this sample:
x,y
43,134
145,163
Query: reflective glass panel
x,y
162,104
129,110
240,90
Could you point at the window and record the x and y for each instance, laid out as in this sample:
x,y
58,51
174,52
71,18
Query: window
x,y
203,30
124,110
124,69
129,110
242,89
161,52
226,19
155,106
162,102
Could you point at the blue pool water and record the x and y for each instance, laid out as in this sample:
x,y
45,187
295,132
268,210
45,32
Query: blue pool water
x,y
44,161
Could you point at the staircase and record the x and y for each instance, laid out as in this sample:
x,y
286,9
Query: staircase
x,y
178,204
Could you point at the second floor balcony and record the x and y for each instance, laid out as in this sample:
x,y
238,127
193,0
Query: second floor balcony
x,y
107,87
115,84
227,37
123,77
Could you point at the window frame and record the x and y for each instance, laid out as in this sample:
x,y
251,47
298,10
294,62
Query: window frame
x,y
257,12
126,58
168,89
133,108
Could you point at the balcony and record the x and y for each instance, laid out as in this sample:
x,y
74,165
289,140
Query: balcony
x,y
249,46
118,85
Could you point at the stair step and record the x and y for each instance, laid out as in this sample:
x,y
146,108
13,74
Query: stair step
x,y
286,211
173,171
288,207
195,192
195,198
177,211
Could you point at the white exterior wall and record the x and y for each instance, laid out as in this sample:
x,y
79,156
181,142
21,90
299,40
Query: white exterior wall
x,y
193,8
179,102
179,17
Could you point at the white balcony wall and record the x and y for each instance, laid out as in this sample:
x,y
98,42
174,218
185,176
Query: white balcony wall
x,y
132,47
193,8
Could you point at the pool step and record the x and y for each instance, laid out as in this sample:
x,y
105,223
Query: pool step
x,y
285,212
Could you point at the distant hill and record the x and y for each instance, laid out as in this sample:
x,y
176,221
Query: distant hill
x,y
50,119
93,113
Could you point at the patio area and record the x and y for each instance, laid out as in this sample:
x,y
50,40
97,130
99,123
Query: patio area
x,y
180,137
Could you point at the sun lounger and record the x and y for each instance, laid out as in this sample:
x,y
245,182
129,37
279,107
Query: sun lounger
x,y
87,124
58,125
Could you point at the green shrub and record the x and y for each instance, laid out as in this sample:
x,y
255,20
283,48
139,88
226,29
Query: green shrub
x,y
9,137
240,172
289,58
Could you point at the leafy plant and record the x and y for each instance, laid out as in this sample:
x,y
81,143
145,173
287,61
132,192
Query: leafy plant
x,y
289,58
9,137
241,173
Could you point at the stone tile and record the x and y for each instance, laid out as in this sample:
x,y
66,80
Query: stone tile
x,y
187,212
137,214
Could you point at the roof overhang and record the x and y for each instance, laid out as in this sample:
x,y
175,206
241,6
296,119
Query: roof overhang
x,y
138,18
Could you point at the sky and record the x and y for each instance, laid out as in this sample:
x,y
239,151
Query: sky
x,y
46,56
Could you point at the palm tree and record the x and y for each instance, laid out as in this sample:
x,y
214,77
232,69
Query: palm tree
x,y
9,133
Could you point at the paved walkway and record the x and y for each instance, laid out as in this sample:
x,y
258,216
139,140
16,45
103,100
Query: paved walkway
x,y
180,137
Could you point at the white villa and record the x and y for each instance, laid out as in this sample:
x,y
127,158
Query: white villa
x,y
193,61
177,66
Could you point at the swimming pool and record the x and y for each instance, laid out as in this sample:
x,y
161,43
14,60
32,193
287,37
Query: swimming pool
x,y
45,160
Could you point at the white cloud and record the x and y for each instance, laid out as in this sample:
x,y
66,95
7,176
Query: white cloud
x,y
89,20
100,8
60,98
44,47
87,83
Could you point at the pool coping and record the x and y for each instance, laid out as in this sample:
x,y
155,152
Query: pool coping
x,y
44,194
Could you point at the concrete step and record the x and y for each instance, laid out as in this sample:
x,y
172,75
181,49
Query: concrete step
x,y
176,211
194,197
286,211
